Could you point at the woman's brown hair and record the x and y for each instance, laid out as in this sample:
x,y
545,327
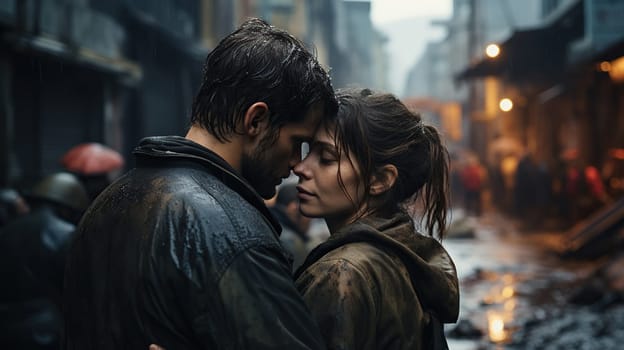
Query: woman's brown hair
x,y
378,129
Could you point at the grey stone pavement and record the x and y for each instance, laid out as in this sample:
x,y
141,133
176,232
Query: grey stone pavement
x,y
510,279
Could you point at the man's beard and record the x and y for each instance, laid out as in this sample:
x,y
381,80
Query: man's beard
x,y
258,170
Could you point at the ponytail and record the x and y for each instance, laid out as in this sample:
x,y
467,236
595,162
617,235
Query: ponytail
x,y
435,195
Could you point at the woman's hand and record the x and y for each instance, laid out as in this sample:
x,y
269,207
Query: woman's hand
x,y
155,347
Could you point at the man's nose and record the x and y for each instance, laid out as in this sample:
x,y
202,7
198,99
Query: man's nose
x,y
295,159
293,164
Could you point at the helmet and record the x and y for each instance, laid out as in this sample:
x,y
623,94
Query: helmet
x,y
62,188
8,195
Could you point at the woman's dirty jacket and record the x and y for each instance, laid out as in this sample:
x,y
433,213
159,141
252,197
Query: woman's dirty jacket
x,y
378,284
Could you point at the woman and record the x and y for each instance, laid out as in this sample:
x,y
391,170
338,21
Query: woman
x,y
377,283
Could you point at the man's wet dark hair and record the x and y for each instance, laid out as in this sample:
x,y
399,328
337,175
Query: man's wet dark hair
x,y
259,63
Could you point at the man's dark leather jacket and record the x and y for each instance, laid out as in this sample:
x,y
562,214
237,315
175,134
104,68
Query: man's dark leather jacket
x,y
183,253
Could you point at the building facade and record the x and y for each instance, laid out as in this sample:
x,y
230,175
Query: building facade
x,y
563,75
115,71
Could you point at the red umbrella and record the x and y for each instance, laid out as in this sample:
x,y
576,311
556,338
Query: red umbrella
x,y
92,158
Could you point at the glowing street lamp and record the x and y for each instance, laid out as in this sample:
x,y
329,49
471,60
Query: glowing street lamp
x,y
505,105
605,66
492,50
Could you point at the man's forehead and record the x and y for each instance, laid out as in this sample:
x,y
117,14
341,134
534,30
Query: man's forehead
x,y
300,132
307,127
315,114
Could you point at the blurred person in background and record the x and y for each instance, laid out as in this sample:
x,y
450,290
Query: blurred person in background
x,y
377,283
12,205
33,249
584,190
181,251
532,192
294,225
317,233
526,190
472,178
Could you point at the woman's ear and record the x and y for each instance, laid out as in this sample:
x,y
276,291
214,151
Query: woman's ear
x,y
256,119
384,179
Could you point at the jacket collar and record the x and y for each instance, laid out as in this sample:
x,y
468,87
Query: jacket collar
x,y
180,148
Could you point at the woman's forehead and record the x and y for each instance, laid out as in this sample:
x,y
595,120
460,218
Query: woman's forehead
x,y
325,135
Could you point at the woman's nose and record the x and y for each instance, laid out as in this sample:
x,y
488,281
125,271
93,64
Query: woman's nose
x,y
300,169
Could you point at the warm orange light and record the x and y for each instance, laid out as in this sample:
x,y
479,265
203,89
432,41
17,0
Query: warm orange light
x,y
605,66
496,328
616,71
492,50
505,105
508,292
509,305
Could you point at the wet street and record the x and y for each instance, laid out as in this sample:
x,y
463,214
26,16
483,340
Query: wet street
x,y
515,293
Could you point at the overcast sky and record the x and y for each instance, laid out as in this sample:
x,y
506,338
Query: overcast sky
x,y
392,17
384,11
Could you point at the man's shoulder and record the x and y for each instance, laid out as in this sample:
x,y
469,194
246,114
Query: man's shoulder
x,y
203,219
223,217
198,203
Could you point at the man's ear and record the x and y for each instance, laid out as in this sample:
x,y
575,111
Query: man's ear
x,y
383,180
256,119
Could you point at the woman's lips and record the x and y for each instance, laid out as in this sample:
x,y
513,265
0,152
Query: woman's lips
x,y
303,193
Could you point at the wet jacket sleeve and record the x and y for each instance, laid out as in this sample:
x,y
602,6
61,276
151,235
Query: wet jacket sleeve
x,y
342,299
261,305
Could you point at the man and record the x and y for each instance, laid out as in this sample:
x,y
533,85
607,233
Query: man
x,y
181,251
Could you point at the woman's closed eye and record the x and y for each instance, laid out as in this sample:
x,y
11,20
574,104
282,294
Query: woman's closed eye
x,y
324,152
327,153
327,158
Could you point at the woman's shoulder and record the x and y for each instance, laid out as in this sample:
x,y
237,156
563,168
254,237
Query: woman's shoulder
x,y
354,252
346,269
363,259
